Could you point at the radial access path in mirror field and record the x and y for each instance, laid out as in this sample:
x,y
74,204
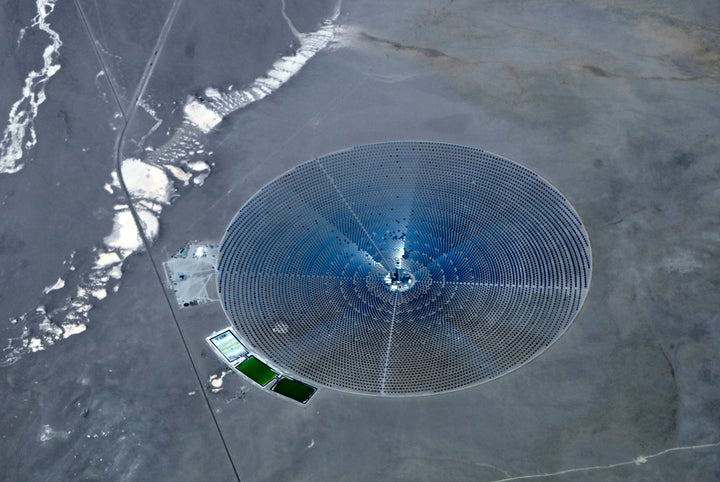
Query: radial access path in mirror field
x,y
404,268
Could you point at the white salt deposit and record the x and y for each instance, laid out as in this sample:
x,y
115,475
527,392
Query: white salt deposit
x,y
200,115
59,284
49,329
179,174
116,272
124,235
145,181
70,329
198,166
23,112
99,293
212,93
199,180
47,433
151,112
114,177
107,259
150,182
150,224
35,344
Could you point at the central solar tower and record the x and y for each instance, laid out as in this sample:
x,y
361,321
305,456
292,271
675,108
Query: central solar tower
x,y
404,268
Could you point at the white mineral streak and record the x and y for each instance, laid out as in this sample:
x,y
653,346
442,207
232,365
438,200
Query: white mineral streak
x,y
23,112
99,293
151,182
199,180
151,112
70,329
107,259
102,86
115,273
59,284
47,333
198,166
47,433
200,115
145,181
115,182
220,104
124,236
212,93
179,174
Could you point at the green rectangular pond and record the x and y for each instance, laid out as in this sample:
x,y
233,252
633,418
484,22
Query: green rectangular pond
x,y
294,389
257,371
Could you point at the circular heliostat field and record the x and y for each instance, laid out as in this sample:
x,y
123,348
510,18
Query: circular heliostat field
x,y
404,268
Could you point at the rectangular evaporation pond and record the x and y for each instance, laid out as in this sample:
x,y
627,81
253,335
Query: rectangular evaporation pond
x,y
230,347
294,389
257,371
